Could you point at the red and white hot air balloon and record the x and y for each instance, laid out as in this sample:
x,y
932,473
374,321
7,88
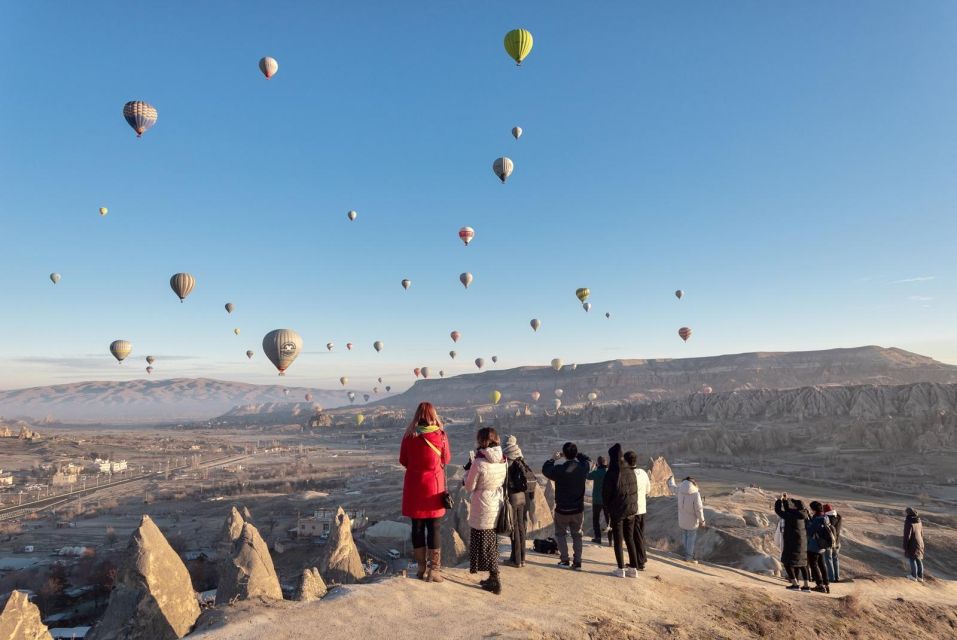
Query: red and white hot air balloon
x,y
417,371
268,66
684,333
349,346
466,234
455,335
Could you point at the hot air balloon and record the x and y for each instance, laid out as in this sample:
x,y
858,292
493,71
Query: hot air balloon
x,y
479,362
182,284
330,345
592,396
380,380
378,345
535,323
607,315
516,132
503,167
495,396
465,279
352,396
249,354
466,234
406,283
452,354
441,373
574,366
150,359
557,364
586,306
348,346
229,307
104,211
54,277
455,335
120,349
518,44
140,115
582,293
285,392
343,381
282,347
494,359
268,66
388,388
556,403
535,396
236,331
679,294
149,370
375,389
308,397
684,333
417,372
559,393
425,372
352,215
360,419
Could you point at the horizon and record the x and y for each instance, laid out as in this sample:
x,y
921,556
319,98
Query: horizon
x,y
793,176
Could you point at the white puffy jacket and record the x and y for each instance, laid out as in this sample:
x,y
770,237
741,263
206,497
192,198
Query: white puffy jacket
x,y
485,481
644,488
690,506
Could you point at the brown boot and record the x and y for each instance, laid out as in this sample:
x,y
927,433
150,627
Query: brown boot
x,y
435,566
419,555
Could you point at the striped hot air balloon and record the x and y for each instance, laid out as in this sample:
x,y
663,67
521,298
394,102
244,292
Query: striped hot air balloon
x,y
466,234
140,115
282,347
684,333
503,168
518,44
120,349
182,284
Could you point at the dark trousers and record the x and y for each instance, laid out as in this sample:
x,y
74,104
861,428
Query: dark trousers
x,y
430,528
596,512
796,573
519,508
639,536
623,530
818,573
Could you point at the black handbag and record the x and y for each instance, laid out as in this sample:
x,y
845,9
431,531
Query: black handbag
x,y
504,524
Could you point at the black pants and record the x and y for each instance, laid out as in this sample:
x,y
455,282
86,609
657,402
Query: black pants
x,y
639,536
818,573
427,527
623,530
796,573
596,512
519,508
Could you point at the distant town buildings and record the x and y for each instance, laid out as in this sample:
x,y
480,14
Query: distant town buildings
x,y
109,466
319,524
60,479
6,479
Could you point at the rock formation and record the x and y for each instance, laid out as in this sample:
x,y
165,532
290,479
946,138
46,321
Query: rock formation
x,y
152,595
248,572
460,517
541,516
658,474
340,562
454,550
232,527
311,586
20,619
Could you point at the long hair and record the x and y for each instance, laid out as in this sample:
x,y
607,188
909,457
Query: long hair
x,y
487,437
425,415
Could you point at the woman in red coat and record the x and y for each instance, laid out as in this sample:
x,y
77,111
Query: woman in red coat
x,y
424,454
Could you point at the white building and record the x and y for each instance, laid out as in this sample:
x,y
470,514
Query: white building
x,y
110,466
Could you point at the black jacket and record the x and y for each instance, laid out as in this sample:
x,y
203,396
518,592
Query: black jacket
x,y
569,477
619,491
794,551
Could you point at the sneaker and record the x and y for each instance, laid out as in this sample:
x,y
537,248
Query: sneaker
x,y
631,572
596,540
577,566
618,573
805,588
912,578
794,587
819,589
827,588
641,567
564,564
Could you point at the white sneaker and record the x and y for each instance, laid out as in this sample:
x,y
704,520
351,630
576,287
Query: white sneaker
x,y
619,573
631,572
912,578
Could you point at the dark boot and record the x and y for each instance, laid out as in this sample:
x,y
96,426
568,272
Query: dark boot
x,y
435,566
493,584
418,554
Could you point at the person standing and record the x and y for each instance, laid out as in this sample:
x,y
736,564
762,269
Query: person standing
x,y
793,540
485,482
520,487
820,537
831,560
690,515
619,494
424,452
914,544
569,478
643,487
597,476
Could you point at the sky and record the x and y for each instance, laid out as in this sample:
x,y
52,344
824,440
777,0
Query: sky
x,y
790,166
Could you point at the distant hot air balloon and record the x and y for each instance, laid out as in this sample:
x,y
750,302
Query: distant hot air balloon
x,y
452,354
282,347
375,389
441,373
516,132
140,115
518,44
348,346
285,392
388,388
535,323
236,331
425,371
592,396
557,403
559,393
330,345
366,396
360,419
494,359
586,306
535,396
352,215
679,294
479,362
150,359
495,396
582,293
249,354
466,234
417,372
149,370
574,366
182,284
229,307
343,381
104,211
607,315
268,66
378,345
557,364
455,335
352,396
465,279
503,167
308,397
54,277
684,333
380,380
120,349
406,283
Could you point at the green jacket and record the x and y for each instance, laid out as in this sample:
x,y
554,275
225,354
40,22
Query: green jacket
x,y
597,476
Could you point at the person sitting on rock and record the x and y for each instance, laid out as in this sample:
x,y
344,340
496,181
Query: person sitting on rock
x,y
569,478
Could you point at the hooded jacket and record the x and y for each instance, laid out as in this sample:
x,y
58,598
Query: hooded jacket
x,y
836,522
643,483
913,537
690,506
424,481
794,535
485,481
812,526
569,478
620,487
597,477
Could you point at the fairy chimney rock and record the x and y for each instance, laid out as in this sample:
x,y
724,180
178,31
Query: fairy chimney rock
x,y
659,474
340,562
20,619
248,572
311,586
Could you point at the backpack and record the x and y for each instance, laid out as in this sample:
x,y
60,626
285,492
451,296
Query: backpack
x,y
824,534
518,473
547,546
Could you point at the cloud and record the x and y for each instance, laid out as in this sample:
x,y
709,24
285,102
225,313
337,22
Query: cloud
x,y
915,279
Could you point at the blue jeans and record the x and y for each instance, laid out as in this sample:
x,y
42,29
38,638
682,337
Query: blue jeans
x,y
689,536
916,568
832,564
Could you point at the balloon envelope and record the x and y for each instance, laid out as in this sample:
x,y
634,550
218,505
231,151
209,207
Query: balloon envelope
x,y
479,362
308,397
518,44
388,388
503,167
229,307
352,215
249,354
441,373
104,211
268,66
182,284
586,306
348,346
494,359
684,333
559,393
329,346
516,132
377,345
149,370
465,279
120,349
406,283
140,115
425,371
417,372
343,381
282,347
592,396
236,331
455,335
582,293
55,277
466,234
556,403
535,396
452,354
535,323
556,364
360,419
679,294
495,396
150,359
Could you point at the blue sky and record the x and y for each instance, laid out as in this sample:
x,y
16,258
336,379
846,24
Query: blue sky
x,y
792,168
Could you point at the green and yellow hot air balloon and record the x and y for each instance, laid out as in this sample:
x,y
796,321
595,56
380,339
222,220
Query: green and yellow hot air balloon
x,y
518,44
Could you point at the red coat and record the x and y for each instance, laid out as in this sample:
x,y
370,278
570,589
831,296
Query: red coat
x,y
424,475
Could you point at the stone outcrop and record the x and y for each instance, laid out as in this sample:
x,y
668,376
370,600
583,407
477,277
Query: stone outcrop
x,y
340,562
311,586
460,517
248,572
20,619
454,550
232,527
152,595
541,516
659,473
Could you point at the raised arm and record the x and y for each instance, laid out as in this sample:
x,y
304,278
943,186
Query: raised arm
x,y
548,469
471,480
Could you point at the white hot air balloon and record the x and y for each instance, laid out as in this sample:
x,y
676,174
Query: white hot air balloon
x,y
352,215
465,279
378,345
557,364
557,404
54,277
559,393
503,168
268,66
592,396
535,324
330,346
516,132
425,371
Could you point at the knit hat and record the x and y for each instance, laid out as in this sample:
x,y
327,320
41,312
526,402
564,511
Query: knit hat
x,y
828,507
510,448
